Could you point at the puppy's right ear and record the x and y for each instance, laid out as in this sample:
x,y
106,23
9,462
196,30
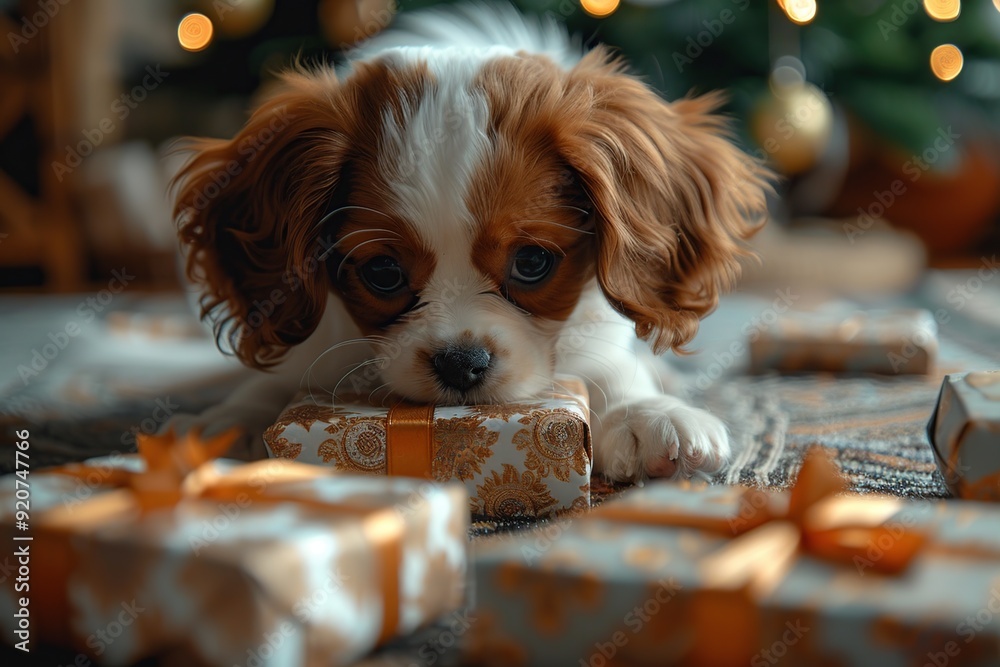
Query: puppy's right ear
x,y
249,209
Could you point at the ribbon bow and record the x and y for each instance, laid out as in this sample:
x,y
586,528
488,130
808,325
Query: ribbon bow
x,y
817,521
168,461
174,470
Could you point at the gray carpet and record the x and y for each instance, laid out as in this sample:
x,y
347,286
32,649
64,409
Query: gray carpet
x,y
80,406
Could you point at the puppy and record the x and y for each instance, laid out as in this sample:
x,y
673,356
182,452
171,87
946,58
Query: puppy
x,y
468,207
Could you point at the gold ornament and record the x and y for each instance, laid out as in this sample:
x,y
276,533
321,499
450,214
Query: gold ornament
x,y
792,124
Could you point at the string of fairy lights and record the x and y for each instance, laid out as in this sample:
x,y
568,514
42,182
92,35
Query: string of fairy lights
x,y
196,31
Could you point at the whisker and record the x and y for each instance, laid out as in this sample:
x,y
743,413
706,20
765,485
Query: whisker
x,y
363,231
329,250
350,208
590,380
367,362
603,341
307,375
611,366
574,229
574,208
600,323
372,393
341,266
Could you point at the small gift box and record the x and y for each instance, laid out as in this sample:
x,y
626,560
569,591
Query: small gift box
x,y
518,460
878,341
679,574
188,560
965,433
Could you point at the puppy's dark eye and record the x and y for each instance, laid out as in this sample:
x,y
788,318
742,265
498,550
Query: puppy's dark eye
x,y
531,264
382,275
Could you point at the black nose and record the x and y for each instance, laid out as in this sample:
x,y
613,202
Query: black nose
x,y
462,366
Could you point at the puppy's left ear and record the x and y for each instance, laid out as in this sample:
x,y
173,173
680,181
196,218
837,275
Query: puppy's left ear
x,y
673,198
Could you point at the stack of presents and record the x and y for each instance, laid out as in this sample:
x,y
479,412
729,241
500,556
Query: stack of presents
x,y
356,534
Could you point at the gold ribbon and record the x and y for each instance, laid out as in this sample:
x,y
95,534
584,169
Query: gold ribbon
x,y
410,441
409,431
817,521
174,471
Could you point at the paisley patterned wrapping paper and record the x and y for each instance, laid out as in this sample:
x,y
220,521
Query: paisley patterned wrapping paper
x,y
517,460
899,341
292,570
602,591
965,433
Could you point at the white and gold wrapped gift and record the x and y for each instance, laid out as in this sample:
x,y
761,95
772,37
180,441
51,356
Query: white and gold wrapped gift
x,y
174,555
527,459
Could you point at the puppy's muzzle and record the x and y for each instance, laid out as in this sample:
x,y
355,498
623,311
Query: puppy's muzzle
x,y
461,367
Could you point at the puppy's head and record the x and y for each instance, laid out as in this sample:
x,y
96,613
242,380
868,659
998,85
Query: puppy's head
x,y
458,208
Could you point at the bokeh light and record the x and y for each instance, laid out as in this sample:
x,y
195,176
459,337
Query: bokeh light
x,y
195,32
943,10
600,8
946,62
799,11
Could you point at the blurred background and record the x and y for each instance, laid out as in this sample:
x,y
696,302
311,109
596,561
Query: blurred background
x,y
881,116
846,99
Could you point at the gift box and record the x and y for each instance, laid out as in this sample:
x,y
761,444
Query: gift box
x,y
682,574
527,459
268,563
878,341
964,430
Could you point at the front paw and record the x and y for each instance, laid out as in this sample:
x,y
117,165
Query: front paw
x,y
660,436
248,445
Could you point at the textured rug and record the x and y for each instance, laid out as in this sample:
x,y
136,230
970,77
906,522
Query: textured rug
x,y
874,426
86,405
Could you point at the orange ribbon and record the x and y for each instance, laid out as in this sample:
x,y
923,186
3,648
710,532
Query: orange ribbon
x,y
817,521
409,431
409,450
174,471
812,514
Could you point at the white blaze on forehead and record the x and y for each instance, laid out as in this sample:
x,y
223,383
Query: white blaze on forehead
x,y
430,157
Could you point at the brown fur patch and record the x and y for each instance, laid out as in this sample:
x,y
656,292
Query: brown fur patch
x,y
249,208
524,194
673,197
